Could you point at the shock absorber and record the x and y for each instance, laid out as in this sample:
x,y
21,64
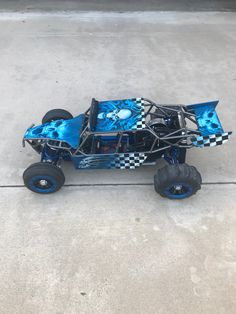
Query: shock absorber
x,y
50,155
175,155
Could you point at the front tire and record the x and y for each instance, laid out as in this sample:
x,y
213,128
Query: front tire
x,y
43,178
56,114
177,181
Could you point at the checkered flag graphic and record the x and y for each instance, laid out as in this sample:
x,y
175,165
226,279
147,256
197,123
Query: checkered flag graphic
x,y
128,160
141,123
211,140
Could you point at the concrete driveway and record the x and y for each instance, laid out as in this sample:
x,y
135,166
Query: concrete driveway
x,y
107,243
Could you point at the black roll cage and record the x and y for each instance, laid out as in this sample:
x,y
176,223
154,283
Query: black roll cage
x,y
181,140
180,136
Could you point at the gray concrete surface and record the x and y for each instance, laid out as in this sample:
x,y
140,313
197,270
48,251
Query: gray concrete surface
x,y
121,5
63,60
127,249
117,250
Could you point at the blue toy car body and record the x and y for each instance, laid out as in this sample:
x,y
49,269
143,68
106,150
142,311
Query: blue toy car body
x,y
124,134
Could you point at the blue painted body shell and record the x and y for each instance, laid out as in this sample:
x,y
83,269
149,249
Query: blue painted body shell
x,y
110,161
62,130
207,118
212,133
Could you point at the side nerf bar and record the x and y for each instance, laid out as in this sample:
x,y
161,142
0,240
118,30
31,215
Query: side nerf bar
x,y
212,133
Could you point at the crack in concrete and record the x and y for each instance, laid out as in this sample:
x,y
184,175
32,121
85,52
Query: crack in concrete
x,y
113,184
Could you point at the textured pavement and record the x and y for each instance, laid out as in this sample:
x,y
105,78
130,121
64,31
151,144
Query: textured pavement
x,y
110,244
117,250
120,6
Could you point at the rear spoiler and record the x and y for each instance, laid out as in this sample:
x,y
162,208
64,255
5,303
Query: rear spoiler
x,y
212,133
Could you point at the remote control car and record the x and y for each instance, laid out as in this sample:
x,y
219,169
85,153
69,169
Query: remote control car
x,y
124,134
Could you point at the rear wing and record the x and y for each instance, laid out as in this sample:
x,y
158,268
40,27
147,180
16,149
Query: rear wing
x,y
212,133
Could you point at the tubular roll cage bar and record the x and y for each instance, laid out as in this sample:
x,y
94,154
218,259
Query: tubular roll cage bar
x,y
180,110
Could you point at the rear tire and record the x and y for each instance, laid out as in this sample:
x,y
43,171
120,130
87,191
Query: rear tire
x,y
177,181
56,114
43,178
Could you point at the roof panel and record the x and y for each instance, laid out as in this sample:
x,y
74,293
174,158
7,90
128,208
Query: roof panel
x,y
120,115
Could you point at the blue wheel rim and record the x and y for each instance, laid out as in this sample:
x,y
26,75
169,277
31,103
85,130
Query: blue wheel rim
x,y
43,184
178,190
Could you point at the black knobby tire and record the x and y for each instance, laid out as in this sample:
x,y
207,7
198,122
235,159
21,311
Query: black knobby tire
x,y
56,114
43,178
177,181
